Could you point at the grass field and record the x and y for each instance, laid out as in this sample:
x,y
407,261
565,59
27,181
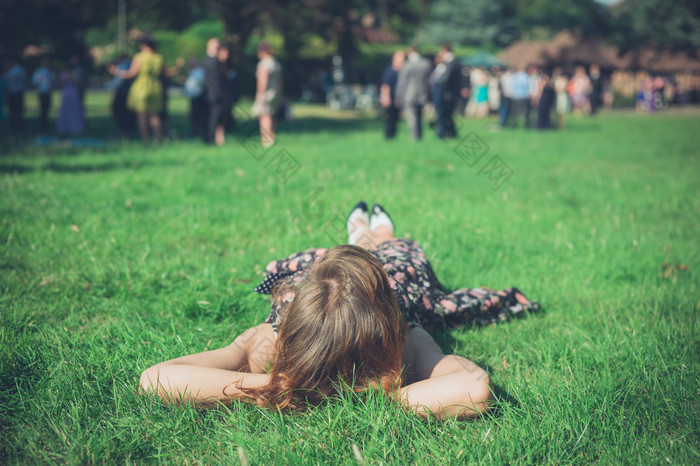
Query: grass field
x,y
117,257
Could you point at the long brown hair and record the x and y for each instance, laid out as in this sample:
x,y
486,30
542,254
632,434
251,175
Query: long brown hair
x,y
344,328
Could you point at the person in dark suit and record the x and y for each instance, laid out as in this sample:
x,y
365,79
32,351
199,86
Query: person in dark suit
x,y
545,103
450,83
215,88
388,94
596,89
412,90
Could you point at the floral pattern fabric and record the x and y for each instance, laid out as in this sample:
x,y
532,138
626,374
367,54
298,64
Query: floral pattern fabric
x,y
422,299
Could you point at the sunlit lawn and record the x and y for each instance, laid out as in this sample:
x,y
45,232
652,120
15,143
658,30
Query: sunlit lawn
x,y
113,258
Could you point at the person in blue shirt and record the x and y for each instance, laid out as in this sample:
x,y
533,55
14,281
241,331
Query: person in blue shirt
x,y
43,81
521,96
194,90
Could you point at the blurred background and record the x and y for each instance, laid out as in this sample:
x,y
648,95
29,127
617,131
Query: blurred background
x,y
653,36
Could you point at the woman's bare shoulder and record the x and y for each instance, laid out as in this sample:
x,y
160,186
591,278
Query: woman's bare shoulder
x,y
259,342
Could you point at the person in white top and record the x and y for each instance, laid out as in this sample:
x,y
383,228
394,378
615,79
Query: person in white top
x,y
268,93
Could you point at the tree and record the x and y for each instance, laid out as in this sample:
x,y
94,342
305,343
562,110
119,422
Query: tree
x,y
60,23
240,18
339,21
662,24
534,18
64,23
469,22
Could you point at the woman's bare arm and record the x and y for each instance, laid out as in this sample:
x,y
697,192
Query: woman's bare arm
x,y
448,385
214,375
263,78
131,72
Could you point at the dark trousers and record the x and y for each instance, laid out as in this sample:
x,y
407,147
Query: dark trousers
x,y
446,124
391,120
199,117
231,118
44,107
123,117
504,111
15,103
543,117
217,114
595,103
544,108
521,106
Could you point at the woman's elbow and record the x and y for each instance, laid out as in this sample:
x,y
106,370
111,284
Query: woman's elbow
x,y
477,396
148,381
483,397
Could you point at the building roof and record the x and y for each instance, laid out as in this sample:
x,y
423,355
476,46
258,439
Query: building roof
x,y
567,48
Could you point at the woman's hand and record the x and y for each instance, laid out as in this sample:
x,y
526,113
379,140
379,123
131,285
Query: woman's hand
x,y
215,375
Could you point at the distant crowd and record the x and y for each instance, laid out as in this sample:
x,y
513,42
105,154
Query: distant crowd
x,y
140,94
411,86
512,96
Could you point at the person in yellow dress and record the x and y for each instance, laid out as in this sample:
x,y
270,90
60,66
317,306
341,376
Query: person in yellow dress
x,y
146,94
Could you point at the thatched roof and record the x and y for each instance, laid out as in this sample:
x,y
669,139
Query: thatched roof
x,y
523,53
567,49
661,62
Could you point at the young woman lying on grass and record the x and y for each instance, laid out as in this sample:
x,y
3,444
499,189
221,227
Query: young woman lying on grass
x,y
349,316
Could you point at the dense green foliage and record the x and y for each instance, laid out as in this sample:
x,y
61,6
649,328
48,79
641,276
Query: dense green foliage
x,y
469,22
671,25
69,25
115,258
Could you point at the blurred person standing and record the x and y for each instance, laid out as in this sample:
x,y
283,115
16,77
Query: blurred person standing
x,y
387,94
545,101
16,85
194,91
268,93
465,90
165,82
534,74
595,97
449,85
43,81
230,88
478,105
561,97
412,90
504,109
494,90
579,89
521,97
215,89
71,121
146,93
79,76
434,87
123,117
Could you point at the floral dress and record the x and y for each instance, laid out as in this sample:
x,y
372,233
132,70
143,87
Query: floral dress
x,y
423,301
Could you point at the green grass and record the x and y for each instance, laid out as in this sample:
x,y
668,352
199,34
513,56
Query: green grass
x,y
115,258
